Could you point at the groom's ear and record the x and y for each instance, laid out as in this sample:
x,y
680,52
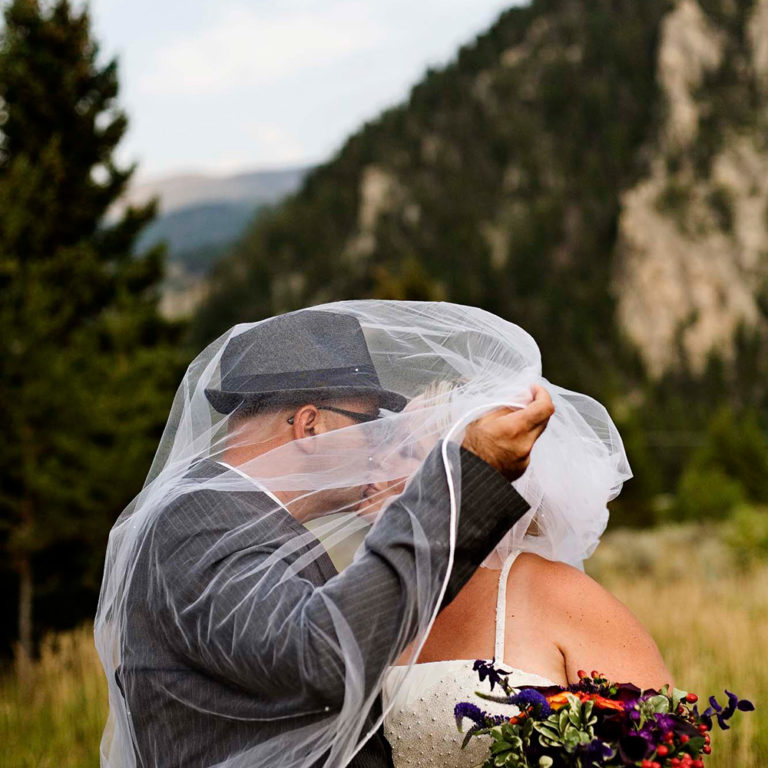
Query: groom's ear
x,y
307,422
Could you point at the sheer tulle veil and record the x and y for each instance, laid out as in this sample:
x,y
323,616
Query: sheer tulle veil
x,y
246,613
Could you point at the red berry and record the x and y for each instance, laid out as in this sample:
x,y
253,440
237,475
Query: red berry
x,y
706,749
697,764
674,762
581,673
703,728
662,751
595,674
669,736
685,738
691,698
646,764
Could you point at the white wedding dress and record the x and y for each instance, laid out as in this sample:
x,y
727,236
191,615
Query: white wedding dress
x,y
421,727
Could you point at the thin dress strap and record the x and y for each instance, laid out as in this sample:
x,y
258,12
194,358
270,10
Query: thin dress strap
x,y
501,607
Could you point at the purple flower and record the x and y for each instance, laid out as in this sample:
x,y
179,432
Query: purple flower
x,y
648,735
633,748
734,703
724,714
666,722
527,697
470,711
597,751
627,692
486,669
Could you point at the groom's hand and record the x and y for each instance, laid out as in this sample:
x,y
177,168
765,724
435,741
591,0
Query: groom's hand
x,y
504,438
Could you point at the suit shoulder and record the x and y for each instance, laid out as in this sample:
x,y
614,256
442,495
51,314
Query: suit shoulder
x,y
196,504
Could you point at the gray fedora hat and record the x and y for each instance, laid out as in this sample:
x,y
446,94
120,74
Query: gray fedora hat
x,y
309,353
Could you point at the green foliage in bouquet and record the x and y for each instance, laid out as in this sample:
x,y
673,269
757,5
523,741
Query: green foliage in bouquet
x,y
570,728
595,723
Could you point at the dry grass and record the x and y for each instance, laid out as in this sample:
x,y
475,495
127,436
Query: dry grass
x,y
709,617
52,716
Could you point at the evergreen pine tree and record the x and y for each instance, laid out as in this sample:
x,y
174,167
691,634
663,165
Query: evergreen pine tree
x,y
87,367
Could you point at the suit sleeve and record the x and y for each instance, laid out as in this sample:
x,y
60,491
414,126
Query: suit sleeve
x,y
250,617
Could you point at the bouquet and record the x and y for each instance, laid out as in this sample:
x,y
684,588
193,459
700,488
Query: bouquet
x,y
595,723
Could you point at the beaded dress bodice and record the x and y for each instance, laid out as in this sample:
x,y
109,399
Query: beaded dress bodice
x,y
421,727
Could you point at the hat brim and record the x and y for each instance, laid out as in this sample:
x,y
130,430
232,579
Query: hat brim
x,y
226,402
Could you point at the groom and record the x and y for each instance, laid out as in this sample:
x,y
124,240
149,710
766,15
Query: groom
x,y
201,677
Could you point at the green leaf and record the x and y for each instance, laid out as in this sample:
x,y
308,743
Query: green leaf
x,y
659,704
695,744
677,697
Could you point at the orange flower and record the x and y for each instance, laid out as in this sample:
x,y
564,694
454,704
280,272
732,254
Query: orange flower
x,y
558,700
602,703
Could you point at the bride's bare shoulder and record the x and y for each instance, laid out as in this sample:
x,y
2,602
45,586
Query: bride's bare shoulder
x,y
555,584
550,573
590,626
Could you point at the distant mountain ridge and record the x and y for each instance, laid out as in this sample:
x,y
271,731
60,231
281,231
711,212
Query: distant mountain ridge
x,y
198,227
261,187
200,217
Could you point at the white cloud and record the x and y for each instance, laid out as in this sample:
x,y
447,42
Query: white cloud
x,y
247,83
272,143
253,46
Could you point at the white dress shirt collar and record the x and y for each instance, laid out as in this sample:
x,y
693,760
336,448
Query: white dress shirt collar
x,y
254,481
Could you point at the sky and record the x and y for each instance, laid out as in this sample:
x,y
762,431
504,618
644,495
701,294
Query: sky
x,y
223,86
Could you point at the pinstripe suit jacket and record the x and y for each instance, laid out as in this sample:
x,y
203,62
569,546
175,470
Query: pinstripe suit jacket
x,y
189,655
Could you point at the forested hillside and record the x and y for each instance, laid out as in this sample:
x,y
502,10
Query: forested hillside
x,y
593,171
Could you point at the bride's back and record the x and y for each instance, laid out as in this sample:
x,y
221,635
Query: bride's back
x,y
557,620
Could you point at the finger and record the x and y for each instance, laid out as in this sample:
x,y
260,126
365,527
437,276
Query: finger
x,y
534,417
541,407
541,396
495,414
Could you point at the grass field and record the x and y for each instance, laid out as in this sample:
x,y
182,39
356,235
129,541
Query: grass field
x,y
708,615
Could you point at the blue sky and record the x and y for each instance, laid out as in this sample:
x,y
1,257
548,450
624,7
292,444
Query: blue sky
x,y
229,85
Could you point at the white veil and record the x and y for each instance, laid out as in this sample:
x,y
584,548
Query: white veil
x,y
258,588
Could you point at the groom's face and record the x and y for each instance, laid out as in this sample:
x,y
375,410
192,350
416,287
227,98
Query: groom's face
x,y
342,414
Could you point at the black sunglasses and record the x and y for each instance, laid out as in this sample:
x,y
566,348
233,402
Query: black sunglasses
x,y
360,418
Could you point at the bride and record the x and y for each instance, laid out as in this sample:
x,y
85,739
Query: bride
x,y
539,619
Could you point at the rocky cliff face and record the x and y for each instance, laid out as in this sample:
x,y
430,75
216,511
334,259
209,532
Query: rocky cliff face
x,y
692,250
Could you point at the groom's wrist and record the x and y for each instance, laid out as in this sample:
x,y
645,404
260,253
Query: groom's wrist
x,y
481,482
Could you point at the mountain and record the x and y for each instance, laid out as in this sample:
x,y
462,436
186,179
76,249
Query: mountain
x,y
192,231
498,183
199,215
691,254
185,190
199,218
596,171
